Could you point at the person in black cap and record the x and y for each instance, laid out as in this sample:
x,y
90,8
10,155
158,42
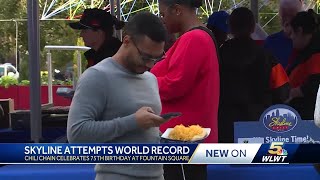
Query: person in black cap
x,y
97,28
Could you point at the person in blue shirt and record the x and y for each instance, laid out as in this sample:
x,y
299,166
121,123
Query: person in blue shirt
x,y
280,44
218,24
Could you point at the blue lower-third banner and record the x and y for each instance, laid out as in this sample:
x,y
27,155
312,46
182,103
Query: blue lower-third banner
x,y
276,152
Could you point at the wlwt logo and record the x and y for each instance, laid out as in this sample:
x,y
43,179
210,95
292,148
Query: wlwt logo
x,y
276,153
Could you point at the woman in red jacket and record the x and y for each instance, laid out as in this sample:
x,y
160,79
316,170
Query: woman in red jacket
x,y
188,77
304,71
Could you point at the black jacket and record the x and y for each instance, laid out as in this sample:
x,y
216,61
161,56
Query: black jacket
x,y
108,49
251,81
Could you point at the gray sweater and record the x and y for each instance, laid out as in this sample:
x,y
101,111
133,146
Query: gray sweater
x,y
102,111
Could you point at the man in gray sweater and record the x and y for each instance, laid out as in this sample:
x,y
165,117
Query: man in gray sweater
x,y
117,100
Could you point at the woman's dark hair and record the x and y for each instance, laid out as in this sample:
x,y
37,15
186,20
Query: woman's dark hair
x,y
189,3
242,22
308,21
116,24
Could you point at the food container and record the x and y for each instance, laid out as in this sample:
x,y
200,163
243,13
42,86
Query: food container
x,y
165,137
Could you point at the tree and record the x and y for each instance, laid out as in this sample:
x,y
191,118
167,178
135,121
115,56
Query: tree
x,y
51,33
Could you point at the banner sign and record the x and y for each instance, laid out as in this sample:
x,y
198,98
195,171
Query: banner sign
x,y
279,123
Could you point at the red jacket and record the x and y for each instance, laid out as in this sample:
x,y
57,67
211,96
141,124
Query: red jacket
x,y
304,72
189,82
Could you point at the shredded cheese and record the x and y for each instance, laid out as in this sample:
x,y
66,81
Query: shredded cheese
x,y
182,133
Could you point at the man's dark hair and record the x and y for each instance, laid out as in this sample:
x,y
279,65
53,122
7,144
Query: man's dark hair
x,y
189,3
242,22
146,24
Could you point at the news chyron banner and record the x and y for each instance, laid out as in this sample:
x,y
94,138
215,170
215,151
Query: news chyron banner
x,y
276,152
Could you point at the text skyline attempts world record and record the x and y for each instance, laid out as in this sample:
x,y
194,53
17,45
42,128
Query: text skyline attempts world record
x,y
86,150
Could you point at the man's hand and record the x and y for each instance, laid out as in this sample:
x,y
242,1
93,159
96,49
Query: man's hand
x,y
294,93
146,118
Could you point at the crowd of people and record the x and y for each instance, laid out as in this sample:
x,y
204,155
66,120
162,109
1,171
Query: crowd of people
x,y
214,74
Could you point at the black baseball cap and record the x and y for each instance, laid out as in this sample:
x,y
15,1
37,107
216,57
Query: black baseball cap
x,y
94,19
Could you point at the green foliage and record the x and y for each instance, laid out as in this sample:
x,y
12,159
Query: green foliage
x,y
51,33
7,81
267,15
24,66
269,19
44,79
57,33
24,83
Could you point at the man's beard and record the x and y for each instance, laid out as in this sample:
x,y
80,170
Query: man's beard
x,y
130,65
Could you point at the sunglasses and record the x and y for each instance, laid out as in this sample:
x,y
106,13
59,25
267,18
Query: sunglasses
x,y
147,57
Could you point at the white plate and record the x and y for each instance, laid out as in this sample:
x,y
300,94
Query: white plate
x,y
165,135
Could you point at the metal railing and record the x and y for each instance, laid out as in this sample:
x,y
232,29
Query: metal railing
x,y
49,48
